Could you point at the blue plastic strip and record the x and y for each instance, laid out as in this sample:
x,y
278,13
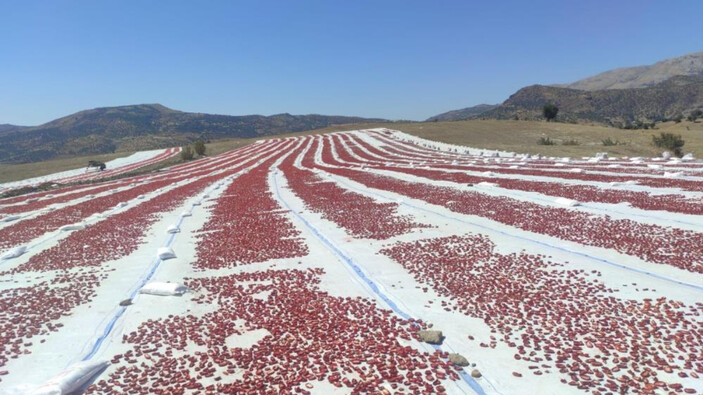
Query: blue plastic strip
x,y
464,375
110,326
542,243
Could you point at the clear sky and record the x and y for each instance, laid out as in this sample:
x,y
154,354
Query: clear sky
x,y
390,59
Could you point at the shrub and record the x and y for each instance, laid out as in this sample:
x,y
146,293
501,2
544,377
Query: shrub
x,y
545,141
695,115
570,142
187,153
608,142
669,141
550,111
199,147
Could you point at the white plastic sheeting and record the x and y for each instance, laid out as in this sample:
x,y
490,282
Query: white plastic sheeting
x,y
72,379
163,289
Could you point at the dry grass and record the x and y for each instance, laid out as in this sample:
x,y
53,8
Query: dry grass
x,y
522,136
516,136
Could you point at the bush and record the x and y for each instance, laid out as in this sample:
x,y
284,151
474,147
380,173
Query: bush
x,y
695,115
608,142
669,141
545,141
570,142
199,147
187,153
550,111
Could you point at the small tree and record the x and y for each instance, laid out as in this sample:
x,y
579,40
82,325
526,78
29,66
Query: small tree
x,y
550,111
199,147
695,115
670,141
187,152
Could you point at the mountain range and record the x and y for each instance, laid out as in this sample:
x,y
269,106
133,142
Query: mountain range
x,y
660,91
641,76
145,126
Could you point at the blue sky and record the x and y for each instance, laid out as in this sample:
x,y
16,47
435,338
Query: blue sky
x,y
390,59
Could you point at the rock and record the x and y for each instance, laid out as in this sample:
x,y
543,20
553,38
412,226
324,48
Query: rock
x,y
126,302
475,373
458,359
432,337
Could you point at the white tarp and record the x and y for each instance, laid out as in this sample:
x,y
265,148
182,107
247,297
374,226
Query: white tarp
x,y
72,379
164,289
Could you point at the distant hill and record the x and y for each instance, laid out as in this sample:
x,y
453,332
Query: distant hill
x,y
146,126
642,76
464,113
6,127
677,95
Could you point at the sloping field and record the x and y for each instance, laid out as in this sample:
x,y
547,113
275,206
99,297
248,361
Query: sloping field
x,y
80,174
318,264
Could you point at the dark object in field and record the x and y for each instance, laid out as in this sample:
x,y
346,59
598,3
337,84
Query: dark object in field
x,y
126,302
95,163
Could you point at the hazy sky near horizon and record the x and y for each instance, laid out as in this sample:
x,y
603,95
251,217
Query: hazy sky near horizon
x,y
389,59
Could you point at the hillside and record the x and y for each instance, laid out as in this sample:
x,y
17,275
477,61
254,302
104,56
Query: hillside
x,y
642,76
146,126
464,113
6,128
675,96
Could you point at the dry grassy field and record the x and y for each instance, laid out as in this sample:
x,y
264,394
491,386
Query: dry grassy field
x,y
522,136
517,136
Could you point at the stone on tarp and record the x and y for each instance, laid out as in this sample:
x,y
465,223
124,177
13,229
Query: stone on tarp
x,y
458,359
431,336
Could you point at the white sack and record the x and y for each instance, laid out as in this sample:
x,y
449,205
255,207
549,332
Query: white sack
x,y
567,202
14,253
163,289
67,228
173,229
165,253
72,379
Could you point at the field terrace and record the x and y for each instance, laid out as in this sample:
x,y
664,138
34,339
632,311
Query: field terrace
x,y
312,264
115,168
